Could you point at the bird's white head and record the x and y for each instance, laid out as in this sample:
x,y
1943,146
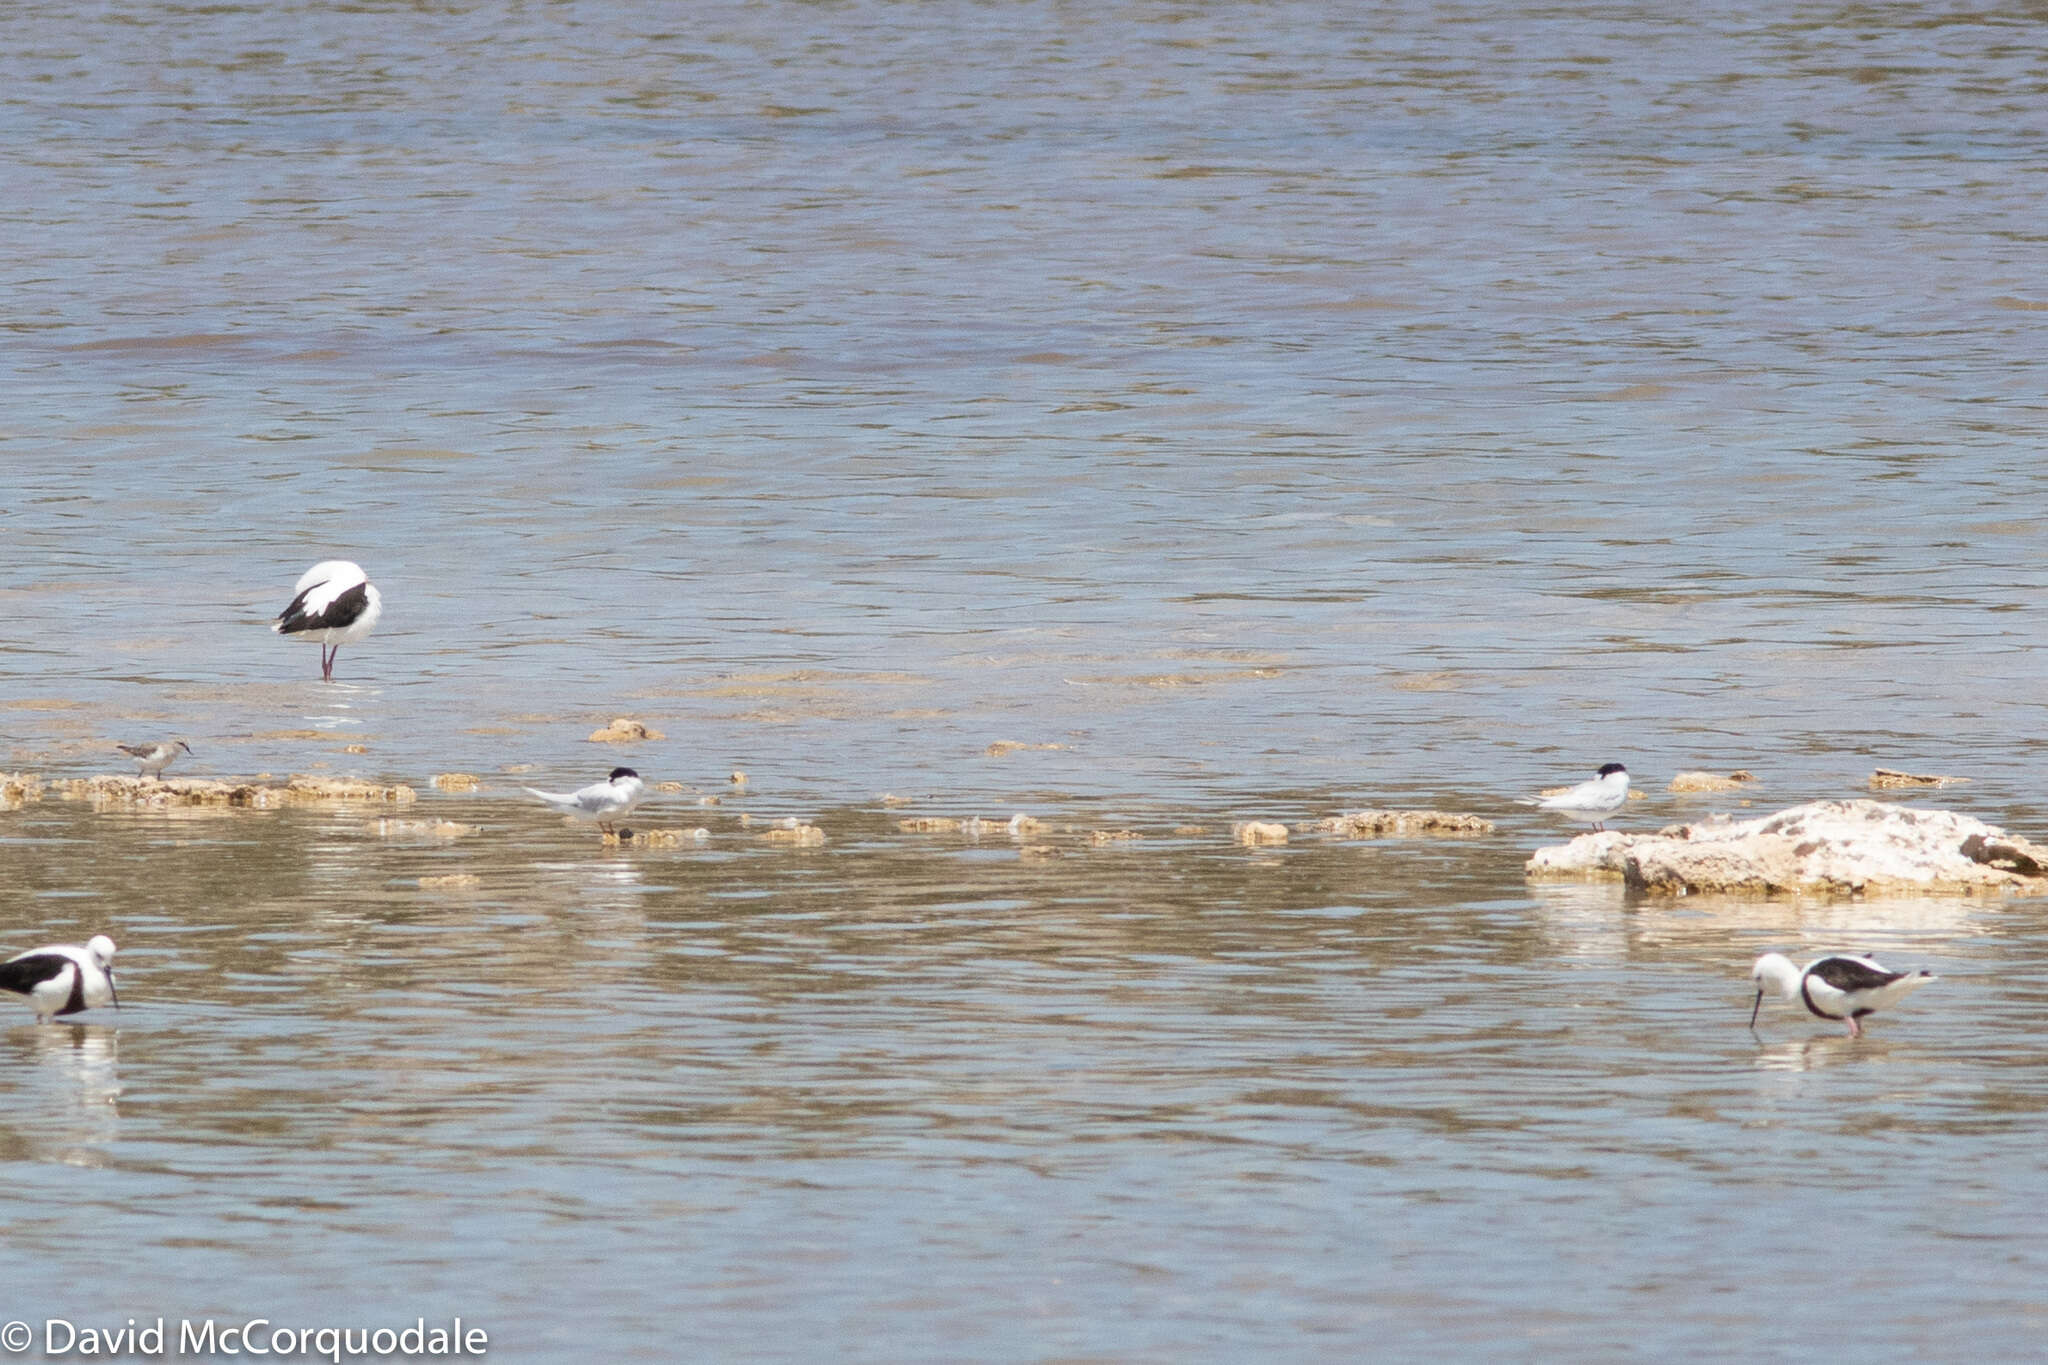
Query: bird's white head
x,y
102,949
346,572
1773,972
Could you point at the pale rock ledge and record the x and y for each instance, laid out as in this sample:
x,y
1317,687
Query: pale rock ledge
x,y
1823,847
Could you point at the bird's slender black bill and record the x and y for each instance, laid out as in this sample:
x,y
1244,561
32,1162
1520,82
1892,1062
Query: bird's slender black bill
x,y
1755,1009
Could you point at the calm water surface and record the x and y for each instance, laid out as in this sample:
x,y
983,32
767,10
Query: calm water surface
x,y
1263,410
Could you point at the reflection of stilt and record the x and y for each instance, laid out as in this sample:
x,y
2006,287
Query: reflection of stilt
x,y
67,1108
1808,1054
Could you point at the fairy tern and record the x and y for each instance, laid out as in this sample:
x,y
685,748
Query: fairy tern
x,y
603,801
1589,802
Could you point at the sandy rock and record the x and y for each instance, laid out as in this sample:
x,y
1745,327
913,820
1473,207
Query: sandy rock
x,y
1004,747
19,789
1712,782
1259,832
738,778
1367,824
457,782
1038,852
670,788
355,748
1022,826
120,789
1891,779
624,731
1824,847
451,881
800,836
1101,837
125,789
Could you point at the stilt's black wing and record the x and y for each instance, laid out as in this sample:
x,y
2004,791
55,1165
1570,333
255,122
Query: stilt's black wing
x,y
1847,974
24,974
342,611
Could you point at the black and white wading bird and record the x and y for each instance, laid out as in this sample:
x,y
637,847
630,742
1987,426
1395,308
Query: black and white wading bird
x,y
152,759
335,605
1589,803
603,802
1840,988
63,978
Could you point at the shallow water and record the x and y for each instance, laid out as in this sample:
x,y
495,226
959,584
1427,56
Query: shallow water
x,y
1258,411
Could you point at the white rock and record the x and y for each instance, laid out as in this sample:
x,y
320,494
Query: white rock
x,y
1827,847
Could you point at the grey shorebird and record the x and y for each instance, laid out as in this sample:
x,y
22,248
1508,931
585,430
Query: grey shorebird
x,y
151,759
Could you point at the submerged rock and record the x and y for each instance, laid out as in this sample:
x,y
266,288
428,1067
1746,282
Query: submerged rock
x,y
308,791
928,824
389,828
1367,824
1259,832
802,836
457,782
1857,847
623,730
655,838
1002,748
1890,779
1712,782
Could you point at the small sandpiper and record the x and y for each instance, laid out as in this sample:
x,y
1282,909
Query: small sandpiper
x,y
151,759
